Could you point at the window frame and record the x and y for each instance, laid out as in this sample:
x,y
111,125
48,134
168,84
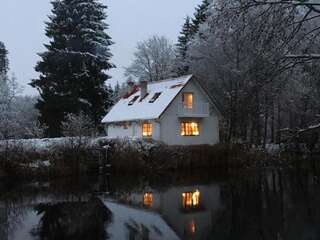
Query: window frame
x,y
149,130
148,199
186,104
185,129
155,97
133,100
191,199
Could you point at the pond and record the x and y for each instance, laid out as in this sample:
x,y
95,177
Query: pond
x,y
268,205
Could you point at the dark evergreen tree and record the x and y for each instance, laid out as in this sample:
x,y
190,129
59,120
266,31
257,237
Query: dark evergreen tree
x,y
73,69
200,15
116,92
4,63
182,47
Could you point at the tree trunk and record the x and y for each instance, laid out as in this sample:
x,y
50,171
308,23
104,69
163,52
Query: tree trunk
x,y
265,135
272,122
279,121
258,127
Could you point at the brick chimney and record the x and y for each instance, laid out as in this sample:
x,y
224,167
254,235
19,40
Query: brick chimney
x,y
130,86
143,88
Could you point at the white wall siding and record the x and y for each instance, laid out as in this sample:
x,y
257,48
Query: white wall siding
x,y
156,130
118,131
134,130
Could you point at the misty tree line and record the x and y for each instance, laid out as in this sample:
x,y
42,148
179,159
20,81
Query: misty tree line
x,y
18,117
259,60
72,70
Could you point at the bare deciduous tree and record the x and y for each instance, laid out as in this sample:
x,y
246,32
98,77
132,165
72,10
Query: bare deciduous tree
x,y
153,60
243,54
79,127
8,120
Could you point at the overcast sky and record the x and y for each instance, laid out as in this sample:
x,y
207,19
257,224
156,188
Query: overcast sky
x,y
22,30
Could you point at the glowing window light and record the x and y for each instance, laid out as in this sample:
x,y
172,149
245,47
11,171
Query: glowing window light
x,y
147,130
187,99
192,227
190,129
148,199
191,199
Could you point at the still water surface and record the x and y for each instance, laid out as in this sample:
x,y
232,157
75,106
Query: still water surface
x,y
271,205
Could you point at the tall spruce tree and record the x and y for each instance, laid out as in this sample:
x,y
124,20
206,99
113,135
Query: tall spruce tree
x,y
200,16
188,32
182,47
4,63
72,70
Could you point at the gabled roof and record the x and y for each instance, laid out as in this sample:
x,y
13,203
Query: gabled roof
x,y
146,109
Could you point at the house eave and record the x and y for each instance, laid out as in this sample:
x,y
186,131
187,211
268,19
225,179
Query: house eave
x,y
130,120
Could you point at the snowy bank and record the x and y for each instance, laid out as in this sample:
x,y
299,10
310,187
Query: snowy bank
x,y
65,156
39,145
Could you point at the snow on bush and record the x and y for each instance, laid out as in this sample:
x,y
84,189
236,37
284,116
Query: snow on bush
x,y
123,144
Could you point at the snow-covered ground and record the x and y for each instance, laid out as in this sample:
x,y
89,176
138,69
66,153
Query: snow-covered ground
x,y
46,144
35,144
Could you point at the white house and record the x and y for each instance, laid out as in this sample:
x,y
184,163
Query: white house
x,y
190,210
175,111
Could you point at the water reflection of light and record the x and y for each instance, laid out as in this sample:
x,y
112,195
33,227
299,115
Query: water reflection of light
x,y
191,199
192,227
148,199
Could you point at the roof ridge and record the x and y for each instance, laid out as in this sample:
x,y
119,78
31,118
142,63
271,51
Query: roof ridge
x,y
170,79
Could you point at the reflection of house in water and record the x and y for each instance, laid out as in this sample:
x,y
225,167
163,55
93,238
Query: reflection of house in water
x,y
73,220
190,211
137,224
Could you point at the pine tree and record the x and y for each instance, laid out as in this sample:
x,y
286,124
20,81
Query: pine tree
x,y
4,63
182,47
72,70
200,16
116,92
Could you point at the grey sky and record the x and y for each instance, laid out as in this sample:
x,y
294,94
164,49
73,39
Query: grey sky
x,y
22,30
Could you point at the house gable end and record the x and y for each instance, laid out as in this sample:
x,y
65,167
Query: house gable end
x,y
202,90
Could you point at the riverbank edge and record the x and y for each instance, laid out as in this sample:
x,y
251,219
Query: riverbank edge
x,y
71,156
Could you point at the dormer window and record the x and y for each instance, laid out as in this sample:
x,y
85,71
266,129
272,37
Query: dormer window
x,y
145,96
187,99
155,97
133,100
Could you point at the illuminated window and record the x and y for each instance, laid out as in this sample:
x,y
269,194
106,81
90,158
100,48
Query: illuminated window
x,y
187,99
148,199
190,129
147,130
191,199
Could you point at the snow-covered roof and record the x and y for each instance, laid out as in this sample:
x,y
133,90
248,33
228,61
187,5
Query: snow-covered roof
x,y
125,217
145,109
